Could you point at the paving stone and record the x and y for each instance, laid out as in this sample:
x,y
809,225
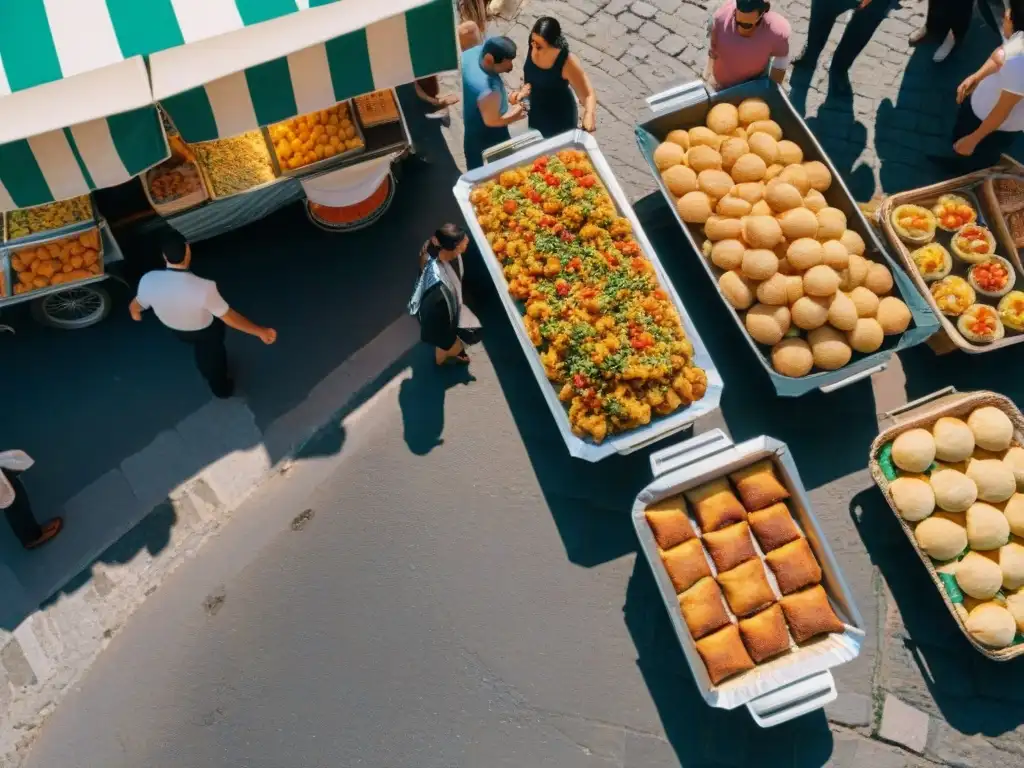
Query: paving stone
x,y
588,7
605,33
643,10
630,21
953,748
160,467
852,709
903,724
615,7
651,32
18,671
672,45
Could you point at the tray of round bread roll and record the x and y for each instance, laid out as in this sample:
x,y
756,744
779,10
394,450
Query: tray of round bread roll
x,y
751,586
951,467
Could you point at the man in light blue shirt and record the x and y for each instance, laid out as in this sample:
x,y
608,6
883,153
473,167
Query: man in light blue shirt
x,y
486,111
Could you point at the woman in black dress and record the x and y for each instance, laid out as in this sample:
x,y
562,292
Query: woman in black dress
x,y
549,73
445,321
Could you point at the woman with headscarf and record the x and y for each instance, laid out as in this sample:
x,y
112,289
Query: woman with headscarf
x,y
445,321
551,75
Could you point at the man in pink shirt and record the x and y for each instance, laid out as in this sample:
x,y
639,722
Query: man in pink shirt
x,y
746,36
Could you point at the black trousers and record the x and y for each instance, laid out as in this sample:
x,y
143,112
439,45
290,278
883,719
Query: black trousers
x,y
945,16
988,150
211,356
19,514
856,36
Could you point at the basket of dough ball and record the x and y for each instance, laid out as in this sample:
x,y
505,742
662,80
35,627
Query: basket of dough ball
x,y
753,591
817,298
952,468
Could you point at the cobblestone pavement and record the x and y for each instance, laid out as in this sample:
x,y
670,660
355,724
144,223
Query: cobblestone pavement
x,y
918,695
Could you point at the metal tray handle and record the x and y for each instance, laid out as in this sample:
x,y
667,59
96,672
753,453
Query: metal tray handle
x,y
913,405
678,97
513,145
853,379
689,451
792,701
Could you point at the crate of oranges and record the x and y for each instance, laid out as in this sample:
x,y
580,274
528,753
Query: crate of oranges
x,y
317,138
57,262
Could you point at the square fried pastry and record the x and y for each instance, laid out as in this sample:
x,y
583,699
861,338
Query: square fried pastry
x,y
685,564
758,485
730,546
765,634
794,566
669,523
746,588
809,613
703,608
715,505
724,654
773,527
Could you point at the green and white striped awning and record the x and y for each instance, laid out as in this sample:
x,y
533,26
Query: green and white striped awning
x,y
390,52
69,162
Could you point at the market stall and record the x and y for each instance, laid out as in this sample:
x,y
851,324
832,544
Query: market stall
x,y
780,236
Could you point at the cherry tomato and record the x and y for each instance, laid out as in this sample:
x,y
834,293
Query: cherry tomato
x,y
579,380
567,236
576,172
611,259
587,182
562,288
551,180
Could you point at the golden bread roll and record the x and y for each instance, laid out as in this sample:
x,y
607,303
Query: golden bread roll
x,y
797,176
767,324
774,291
761,231
1015,605
794,288
680,137
854,243
723,119
893,315
810,312
835,255
815,201
761,208
991,625
703,158
855,272
831,223
912,497
766,147
732,150
821,281
987,527
842,314
703,136
804,253
751,110
867,335
954,491
878,279
1014,459
764,126
759,263
694,207
818,174
751,191
714,183
738,290
773,171
748,167
723,228
728,254
829,348
797,223
994,479
954,440
940,538
730,205
914,450
668,154
1011,564
790,153
782,196
792,357
992,428
978,576
1014,512
679,179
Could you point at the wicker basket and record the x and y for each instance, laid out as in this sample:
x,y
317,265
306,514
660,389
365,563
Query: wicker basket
x,y
923,413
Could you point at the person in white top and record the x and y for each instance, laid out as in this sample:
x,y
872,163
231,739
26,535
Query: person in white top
x,y
194,309
991,113
15,504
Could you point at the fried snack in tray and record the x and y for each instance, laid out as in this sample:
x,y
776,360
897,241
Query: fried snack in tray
x,y
43,218
236,164
606,332
57,262
307,139
172,180
1009,194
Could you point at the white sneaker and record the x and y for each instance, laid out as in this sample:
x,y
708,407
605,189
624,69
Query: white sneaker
x,y
495,7
918,35
945,49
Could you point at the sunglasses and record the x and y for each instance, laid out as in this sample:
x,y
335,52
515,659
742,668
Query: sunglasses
x,y
747,24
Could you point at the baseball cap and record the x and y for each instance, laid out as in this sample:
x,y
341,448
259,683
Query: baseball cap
x,y
750,6
500,48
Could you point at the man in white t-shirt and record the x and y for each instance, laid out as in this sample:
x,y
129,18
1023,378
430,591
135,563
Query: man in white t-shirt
x,y
991,113
194,309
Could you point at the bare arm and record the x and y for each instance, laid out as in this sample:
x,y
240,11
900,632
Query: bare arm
x,y
424,96
490,106
136,309
241,323
1007,101
577,77
778,75
992,65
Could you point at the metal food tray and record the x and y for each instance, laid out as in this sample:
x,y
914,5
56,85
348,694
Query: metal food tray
x,y
522,151
924,412
50,234
207,178
178,204
110,252
320,165
965,186
794,683
686,106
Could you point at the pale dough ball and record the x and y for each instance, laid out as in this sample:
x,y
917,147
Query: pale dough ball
x,y
783,197
728,254
773,171
954,440
835,255
732,206
790,153
703,158
797,223
954,491
751,191
978,576
740,133
864,300
694,207
764,146
878,280
991,625
842,314
867,335
732,150
855,272
765,126
914,450
792,357
820,281
829,348
701,136
1014,459
831,223
992,428
797,176
761,208
941,539
680,137
809,312
912,497
679,179
714,182
668,154
854,243
752,110
723,119
1015,605
723,228
1014,513
994,479
767,325
759,263
893,315
738,290
805,253
819,175
748,167
761,231
1011,562
773,291
987,527
815,201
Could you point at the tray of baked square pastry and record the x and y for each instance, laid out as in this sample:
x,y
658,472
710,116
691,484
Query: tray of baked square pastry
x,y
817,298
753,591
618,360
951,467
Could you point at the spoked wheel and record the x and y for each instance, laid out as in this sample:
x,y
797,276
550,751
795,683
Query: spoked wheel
x,y
74,308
